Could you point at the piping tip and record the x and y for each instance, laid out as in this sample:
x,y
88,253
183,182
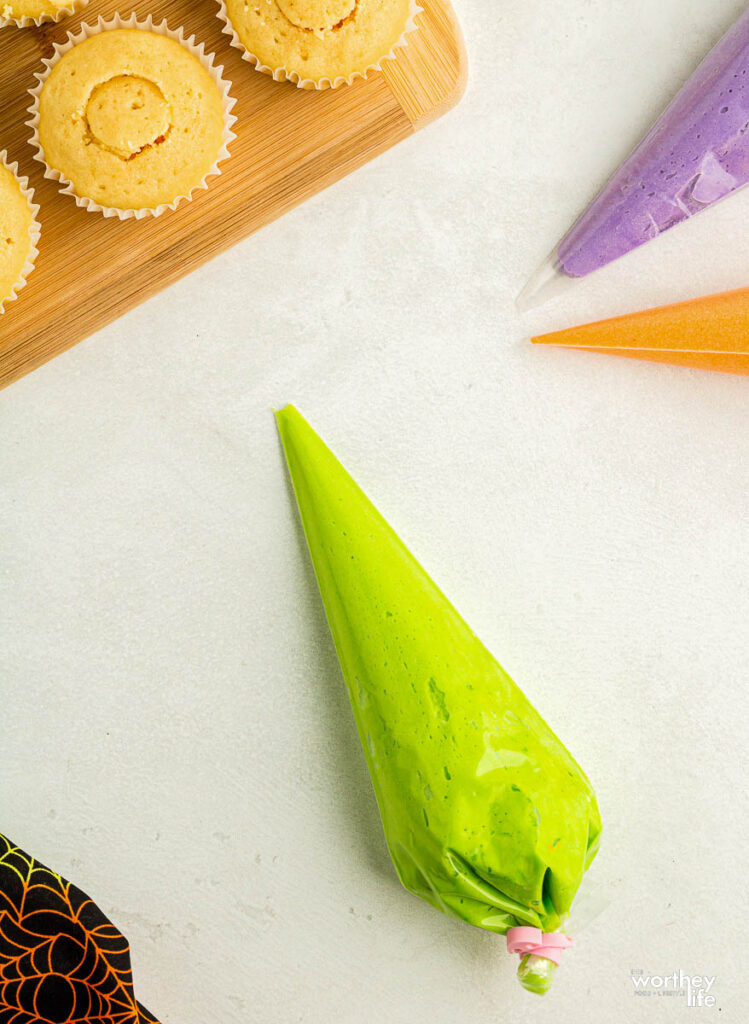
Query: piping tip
x,y
548,282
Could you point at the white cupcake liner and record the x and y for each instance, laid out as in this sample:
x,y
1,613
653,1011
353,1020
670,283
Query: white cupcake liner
x,y
104,25
26,22
35,229
284,74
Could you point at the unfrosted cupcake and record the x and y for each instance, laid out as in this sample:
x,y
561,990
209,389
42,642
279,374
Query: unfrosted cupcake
x,y
318,44
19,231
34,12
131,119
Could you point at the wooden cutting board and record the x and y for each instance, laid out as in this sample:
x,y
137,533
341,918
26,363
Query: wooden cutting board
x,y
290,144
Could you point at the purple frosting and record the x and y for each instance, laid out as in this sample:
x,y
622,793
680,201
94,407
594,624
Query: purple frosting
x,y
695,154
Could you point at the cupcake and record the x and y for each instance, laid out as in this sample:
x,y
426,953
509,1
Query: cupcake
x,y
19,231
33,12
319,44
131,117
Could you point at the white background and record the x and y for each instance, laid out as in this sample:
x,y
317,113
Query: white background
x,y
176,734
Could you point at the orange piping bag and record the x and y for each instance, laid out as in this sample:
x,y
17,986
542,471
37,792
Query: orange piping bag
x,y
710,333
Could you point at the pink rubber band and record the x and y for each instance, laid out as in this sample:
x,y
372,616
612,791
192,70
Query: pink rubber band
x,y
533,942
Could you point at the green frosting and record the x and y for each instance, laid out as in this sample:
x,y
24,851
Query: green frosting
x,y
486,814
536,974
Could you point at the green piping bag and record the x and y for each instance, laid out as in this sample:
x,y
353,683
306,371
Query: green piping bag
x,y
487,816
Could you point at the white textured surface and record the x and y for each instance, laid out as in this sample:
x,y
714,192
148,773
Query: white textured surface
x,y
176,737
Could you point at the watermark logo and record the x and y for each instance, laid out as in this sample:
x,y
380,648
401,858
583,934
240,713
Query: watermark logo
x,y
696,989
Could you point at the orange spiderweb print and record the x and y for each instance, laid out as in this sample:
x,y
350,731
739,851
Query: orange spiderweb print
x,y
61,960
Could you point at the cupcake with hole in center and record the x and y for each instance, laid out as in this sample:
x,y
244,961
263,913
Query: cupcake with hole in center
x,y
25,13
131,117
19,231
319,44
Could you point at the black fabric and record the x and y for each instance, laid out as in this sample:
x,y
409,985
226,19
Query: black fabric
x,y
61,960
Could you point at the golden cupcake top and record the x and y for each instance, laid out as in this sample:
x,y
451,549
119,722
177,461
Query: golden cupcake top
x,y
319,39
131,118
15,233
17,9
